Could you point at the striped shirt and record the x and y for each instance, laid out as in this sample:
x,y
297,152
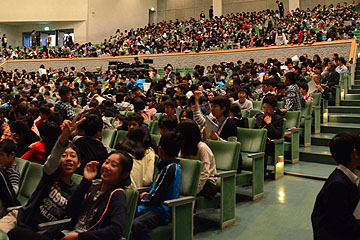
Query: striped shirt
x,y
14,177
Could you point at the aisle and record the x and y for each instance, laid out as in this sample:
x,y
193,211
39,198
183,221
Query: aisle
x,y
284,213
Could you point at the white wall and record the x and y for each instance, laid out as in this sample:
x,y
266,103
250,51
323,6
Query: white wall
x,y
182,9
234,6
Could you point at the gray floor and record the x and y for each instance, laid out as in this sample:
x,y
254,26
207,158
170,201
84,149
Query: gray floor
x,y
284,213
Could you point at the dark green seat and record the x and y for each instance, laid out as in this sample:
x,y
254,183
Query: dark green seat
x,y
305,124
227,156
78,110
155,128
257,105
316,111
31,179
149,124
76,178
123,113
280,105
110,119
129,113
253,142
244,113
120,135
23,167
182,223
3,236
132,197
292,143
253,112
156,138
108,137
251,122
277,160
157,116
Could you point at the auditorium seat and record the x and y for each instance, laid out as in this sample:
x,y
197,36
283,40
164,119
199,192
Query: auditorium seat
x,y
108,137
292,143
23,167
305,123
31,179
316,110
120,135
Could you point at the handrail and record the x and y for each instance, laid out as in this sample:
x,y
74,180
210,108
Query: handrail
x,y
352,52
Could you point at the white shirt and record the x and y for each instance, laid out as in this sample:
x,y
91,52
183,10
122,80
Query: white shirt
x,y
354,177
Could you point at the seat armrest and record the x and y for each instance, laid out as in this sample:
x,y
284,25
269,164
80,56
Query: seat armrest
x,y
294,130
316,107
58,224
254,155
277,140
226,174
306,117
143,189
179,201
9,209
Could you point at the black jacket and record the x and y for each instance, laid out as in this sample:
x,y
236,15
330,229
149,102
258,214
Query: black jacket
x,y
332,79
274,129
332,217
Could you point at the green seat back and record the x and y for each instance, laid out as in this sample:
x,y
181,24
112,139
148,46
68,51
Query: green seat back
x,y
108,137
280,104
257,105
78,110
128,113
119,137
190,175
252,141
157,116
244,113
253,112
251,122
292,119
131,202
76,178
123,113
31,180
156,138
149,123
110,119
23,167
226,154
155,128
306,110
316,99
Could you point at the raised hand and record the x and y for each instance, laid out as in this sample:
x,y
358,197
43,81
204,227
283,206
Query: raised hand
x,y
267,119
68,127
197,94
90,170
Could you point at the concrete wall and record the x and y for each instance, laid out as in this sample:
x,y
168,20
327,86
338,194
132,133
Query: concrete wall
x,y
304,4
233,6
181,9
192,59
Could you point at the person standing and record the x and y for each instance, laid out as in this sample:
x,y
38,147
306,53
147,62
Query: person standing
x,y
202,16
281,8
33,38
211,12
4,41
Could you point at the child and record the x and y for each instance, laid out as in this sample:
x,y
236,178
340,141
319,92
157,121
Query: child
x,y
48,202
152,211
98,211
168,124
336,205
9,176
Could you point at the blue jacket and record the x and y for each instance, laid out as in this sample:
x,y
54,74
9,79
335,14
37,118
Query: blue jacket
x,y
166,187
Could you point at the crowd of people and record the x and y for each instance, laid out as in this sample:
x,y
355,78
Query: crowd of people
x,y
38,121
232,31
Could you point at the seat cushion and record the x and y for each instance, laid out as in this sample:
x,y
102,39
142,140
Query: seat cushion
x,y
244,178
162,232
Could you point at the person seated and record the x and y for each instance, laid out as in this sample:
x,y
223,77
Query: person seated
x,y
44,112
49,133
97,211
24,136
186,114
272,122
220,106
48,202
91,130
139,145
152,212
64,104
168,124
324,90
10,176
280,91
134,120
304,88
267,88
243,102
336,210
170,107
194,148
236,116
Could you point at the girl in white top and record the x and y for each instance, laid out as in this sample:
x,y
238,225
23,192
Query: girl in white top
x,y
138,144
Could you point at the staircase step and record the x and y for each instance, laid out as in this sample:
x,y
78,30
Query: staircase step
x,y
350,103
354,91
357,80
344,118
309,168
318,154
322,139
352,96
354,87
340,127
344,109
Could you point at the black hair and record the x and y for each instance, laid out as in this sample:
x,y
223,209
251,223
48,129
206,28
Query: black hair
x,y
139,104
49,133
189,113
20,108
63,90
191,135
271,100
171,143
136,117
235,109
222,101
342,145
291,76
92,125
168,122
170,103
8,147
280,85
304,86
